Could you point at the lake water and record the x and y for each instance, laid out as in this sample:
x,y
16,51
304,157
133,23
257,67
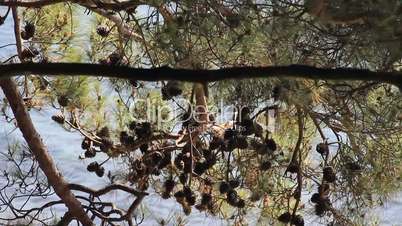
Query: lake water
x,y
64,147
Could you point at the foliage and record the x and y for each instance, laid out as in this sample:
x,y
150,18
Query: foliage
x,y
263,167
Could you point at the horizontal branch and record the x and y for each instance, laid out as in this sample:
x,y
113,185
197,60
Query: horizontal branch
x,y
167,73
96,193
88,3
30,4
112,187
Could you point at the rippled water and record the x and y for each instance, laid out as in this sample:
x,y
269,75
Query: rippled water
x,y
64,147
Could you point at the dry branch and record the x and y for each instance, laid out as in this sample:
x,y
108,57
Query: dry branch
x,y
190,75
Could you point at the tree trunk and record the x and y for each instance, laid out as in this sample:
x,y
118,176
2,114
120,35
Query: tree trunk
x,y
40,152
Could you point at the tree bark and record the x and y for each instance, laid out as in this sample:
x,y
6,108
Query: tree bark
x,y
65,220
202,75
40,152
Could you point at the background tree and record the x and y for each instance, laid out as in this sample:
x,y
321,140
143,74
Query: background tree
x,y
224,166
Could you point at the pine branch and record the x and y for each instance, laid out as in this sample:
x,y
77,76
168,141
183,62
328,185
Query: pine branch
x,y
190,75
